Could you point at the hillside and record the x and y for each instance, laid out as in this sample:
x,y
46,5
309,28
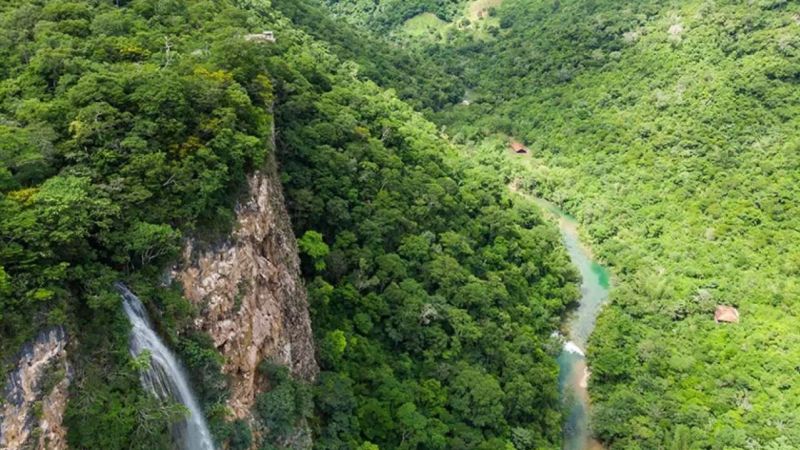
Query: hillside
x,y
133,132
316,204
669,131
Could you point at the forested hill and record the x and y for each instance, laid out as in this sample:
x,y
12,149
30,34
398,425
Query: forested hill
x,y
126,127
388,15
667,128
670,130
417,78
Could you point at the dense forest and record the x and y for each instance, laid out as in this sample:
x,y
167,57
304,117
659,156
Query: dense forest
x,y
130,126
669,130
433,296
124,129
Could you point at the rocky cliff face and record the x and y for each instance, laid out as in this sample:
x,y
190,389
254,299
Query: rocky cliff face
x,y
253,304
252,299
35,395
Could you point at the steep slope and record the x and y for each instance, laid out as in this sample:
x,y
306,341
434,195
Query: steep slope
x,y
250,297
125,128
433,294
131,131
385,63
35,395
669,130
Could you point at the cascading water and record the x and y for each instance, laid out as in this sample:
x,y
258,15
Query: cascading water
x,y
165,378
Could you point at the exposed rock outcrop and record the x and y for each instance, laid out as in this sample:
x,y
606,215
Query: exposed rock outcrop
x,y
249,289
35,395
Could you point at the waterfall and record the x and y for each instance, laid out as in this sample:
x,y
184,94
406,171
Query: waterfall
x,y
165,378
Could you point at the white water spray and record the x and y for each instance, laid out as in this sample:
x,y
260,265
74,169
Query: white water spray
x,y
573,348
165,378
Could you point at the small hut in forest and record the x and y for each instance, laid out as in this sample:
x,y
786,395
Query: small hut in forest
x,y
519,148
727,314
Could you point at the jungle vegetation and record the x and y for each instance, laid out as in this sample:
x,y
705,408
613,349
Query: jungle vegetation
x,y
127,126
669,129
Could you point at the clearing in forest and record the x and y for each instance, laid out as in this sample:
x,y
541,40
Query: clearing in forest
x,y
476,19
479,9
425,24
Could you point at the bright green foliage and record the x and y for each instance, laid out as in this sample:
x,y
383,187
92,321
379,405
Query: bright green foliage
x,y
669,129
388,14
126,126
417,79
135,146
147,242
478,396
312,244
377,60
117,138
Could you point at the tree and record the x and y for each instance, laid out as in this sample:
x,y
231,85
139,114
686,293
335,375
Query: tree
x,y
412,424
314,246
146,242
477,396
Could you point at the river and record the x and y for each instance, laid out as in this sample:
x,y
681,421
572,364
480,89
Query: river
x,y
573,369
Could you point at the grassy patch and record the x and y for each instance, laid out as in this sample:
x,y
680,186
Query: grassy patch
x,y
425,25
479,9
477,18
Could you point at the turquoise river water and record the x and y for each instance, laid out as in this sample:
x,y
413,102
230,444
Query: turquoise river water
x,y
574,370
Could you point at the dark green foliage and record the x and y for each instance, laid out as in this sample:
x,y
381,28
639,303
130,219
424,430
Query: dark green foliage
x,y
379,61
201,359
106,407
236,434
133,156
241,436
669,130
204,365
277,409
438,291
388,14
286,405
127,128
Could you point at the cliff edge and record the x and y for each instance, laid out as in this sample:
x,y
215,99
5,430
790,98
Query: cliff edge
x,y
250,292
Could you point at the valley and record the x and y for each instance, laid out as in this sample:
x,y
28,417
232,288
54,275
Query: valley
x,y
574,369
309,202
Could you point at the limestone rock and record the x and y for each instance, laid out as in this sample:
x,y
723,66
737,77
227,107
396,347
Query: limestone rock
x,y
34,397
251,296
